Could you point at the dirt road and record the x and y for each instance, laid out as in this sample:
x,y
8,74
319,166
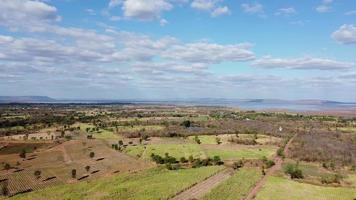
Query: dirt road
x,y
278,165
200,189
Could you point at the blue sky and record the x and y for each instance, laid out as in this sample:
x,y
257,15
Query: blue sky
x,y
158,49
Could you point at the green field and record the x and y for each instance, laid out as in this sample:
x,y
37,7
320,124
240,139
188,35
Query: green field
x,y
197,151
175,150
348,129
247,153
150,184
211,139
278,188
237,186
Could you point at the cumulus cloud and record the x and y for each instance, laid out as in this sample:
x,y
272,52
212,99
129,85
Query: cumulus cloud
x,y
26,13
203,52
351,12
220,11
253,8
346,34
204,4
324,7
306,63
286,11
145,10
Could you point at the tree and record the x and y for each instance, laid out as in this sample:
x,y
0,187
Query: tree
x,y
218,140
37,174
87,168
238,164
186,123
4,189
7,166
74,173
197,140
23,153
91,154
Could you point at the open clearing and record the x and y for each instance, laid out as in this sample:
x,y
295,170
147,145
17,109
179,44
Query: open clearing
x,y
150,184
278,188
226,152
236,187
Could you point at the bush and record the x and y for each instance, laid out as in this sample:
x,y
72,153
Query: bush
x,y
186,123
170,166
23,154
197,140
293,171
183,160
269,163
91,154
74,173
331,178
7,166
280,152
238,164
37,174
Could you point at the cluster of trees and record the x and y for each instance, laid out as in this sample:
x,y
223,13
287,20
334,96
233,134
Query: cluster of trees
x,y
294,171
172,163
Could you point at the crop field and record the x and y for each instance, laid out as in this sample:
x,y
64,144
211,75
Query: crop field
x,y
150,184
246,153
279,188
175,150
236,187
226,152
224,138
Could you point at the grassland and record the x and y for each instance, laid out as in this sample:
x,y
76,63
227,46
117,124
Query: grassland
x,y
211,139
199,151
237,186
247,153
278,188
175,150
150,184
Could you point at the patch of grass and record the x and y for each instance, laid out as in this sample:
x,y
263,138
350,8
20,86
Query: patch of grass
x,y
248,153
236,187
348,129
278,188
139,128
175,150
150,184
16,148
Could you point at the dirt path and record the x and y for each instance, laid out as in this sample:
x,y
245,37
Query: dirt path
x,y
200,189
278,165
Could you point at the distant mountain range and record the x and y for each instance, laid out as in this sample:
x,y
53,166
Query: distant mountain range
x,y
306,104
26,99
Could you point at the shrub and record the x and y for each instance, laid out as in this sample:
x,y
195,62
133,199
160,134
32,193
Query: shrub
x,y
74,173
238,164
87,168
331,178
23,154
269,163
197,140
280,152
293,171
186,123
7,166
37,174
183,160
91,154
218,140
217,160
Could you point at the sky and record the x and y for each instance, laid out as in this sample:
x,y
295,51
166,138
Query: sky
x,y
166,49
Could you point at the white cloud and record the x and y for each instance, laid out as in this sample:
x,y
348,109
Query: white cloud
x,y
221,11
115,3
286,11
305,63
253,8
203,52
324,7
204,4
145,10
351,12
26,13
346,34
163,22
